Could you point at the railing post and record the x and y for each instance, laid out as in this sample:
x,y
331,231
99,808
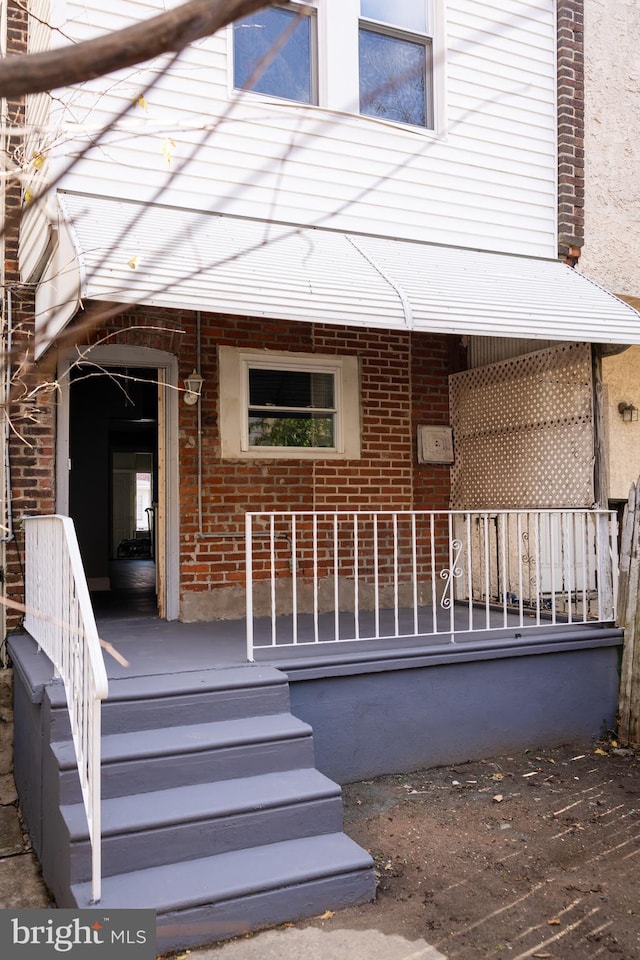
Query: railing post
x,y
248,554
613,553
95,801
606,610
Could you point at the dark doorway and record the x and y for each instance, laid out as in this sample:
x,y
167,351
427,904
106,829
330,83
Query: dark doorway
x,y
113,446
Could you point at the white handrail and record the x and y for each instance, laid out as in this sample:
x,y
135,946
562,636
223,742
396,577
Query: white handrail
x,y
341,576
59,617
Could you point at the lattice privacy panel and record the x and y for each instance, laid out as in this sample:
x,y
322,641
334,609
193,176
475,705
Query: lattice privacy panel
x,y
523,432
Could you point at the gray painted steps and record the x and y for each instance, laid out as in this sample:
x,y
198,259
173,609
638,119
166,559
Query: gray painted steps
x,y
151,829
151,686
148,811
233,875
209,763
146,760
140,703
185,738
196,681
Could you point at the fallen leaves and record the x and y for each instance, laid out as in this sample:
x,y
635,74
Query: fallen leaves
x,y
327,915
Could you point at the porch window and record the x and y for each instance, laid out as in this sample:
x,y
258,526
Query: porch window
x,y
274,53
277,404
291,408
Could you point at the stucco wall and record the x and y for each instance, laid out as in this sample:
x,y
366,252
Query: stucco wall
x,y
622,384
373,723
611,253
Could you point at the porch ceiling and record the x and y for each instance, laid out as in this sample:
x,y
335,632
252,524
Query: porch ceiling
x,y
121,251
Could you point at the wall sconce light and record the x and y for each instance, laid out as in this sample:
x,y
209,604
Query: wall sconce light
x,y
193,388
628,412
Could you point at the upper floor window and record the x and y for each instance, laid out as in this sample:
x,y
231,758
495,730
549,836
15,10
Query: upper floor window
x,y
369,56
395,61
274,52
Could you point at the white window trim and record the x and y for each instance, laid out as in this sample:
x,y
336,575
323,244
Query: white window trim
x,y
337,78
312,9
233,366
424,38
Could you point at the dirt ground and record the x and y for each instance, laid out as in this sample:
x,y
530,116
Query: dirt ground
x,y
531,855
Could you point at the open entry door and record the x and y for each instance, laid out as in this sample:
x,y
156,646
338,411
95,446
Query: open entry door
x,y
116,432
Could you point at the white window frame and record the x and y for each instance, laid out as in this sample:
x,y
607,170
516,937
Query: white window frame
x,y
424,38
234,366
338,81
310,10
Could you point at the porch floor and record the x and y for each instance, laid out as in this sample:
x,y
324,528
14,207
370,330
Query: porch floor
x,y
126,617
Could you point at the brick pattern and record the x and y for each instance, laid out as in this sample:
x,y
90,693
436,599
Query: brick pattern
x,y
570,129
386,477
30,410
403,383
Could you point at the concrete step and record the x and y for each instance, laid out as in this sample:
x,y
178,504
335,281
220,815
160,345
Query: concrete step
x,y
151,829
145,703
216,897
147,760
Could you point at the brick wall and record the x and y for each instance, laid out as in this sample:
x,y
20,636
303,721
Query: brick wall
x,y
30,411
403,383
570,128
31,439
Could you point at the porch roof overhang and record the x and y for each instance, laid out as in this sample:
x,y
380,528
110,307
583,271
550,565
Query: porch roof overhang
x,y
128,252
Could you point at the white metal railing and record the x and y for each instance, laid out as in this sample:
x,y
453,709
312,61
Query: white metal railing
x,y
329,577
59,617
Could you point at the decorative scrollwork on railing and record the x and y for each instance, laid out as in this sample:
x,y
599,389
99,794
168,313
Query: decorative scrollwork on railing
x,y
451,574
529,560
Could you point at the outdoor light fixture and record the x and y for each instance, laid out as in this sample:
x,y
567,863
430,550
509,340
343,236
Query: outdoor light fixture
x,y
628,412
193,388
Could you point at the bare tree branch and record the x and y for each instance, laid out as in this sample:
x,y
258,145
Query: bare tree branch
x,y
167,33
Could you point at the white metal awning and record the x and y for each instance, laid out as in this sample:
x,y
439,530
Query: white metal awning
x,y
119,251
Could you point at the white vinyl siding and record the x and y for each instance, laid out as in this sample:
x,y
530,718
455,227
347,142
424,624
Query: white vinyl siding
x,y
485,180
35,229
